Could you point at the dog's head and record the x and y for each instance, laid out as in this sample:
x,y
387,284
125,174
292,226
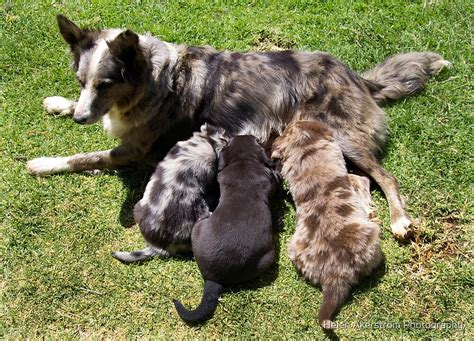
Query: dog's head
x,y
299,134
243,147
217,137
110,67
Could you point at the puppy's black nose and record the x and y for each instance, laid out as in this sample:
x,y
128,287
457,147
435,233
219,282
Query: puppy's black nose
x,y
79,119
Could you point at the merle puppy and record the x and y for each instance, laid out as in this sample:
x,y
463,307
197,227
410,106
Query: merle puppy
x,y
235,244
335,243
179,194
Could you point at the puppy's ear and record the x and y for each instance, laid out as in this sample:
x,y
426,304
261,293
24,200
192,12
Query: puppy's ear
x,y
125,47
221,162
276,176
210,129
223,133
277,148
316,130
301,138
271,165
328,135
204,128
266,161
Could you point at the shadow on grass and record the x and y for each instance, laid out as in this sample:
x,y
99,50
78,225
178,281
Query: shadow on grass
x,y
135,179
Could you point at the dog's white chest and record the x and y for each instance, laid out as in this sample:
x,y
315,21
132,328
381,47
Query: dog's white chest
x,y
112,123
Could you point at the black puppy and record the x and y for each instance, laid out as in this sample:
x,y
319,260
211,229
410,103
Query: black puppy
x,y
235,244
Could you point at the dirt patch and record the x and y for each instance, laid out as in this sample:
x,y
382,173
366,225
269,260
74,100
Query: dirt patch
x,y
271,41
447,243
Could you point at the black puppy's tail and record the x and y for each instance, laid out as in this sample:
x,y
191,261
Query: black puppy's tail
x,y
403,74
333,297
206,308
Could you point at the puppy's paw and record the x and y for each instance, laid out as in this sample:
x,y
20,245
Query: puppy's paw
x,y
400,227
47,165
373,217
59,105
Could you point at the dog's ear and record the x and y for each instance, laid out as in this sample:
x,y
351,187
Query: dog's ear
x,y
221,161
269,163
301,138
77,38
277,148
266,160
71,33
125,47
276,176
271,166
204,128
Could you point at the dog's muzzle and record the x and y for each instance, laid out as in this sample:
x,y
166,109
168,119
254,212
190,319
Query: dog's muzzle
x,y
80,119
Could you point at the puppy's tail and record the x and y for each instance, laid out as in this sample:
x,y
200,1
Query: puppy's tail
x,y
139,255
333,297
403,74
206,308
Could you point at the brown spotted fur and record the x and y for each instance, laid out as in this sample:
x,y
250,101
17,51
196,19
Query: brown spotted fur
x,y
335,243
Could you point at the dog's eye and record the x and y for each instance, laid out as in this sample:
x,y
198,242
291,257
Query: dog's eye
x,y
102,85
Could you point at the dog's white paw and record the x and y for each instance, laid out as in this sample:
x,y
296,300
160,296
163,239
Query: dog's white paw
x,y
399,228
59,105
47,165
441,64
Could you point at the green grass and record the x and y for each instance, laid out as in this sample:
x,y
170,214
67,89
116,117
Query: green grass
x,y
58,278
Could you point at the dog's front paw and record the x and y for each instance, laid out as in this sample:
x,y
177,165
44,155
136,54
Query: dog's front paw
x,y
400,228
47,165
59,105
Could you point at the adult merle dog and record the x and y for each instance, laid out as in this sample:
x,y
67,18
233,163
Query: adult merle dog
x,y
141,87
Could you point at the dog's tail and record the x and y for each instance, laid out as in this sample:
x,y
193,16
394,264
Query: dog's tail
x,y
333,297
403,74
139,255
206,308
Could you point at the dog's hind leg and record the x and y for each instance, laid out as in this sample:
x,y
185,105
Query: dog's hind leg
x,y
140,255
399,218
108,159
59,105
359,127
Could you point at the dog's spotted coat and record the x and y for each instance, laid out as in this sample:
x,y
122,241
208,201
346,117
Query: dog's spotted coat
x,y
182,191
142,87
335,243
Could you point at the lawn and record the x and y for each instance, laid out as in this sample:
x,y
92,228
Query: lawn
x,y
58,278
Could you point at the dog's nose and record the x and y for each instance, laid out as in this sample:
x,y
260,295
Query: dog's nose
x,y
79,119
